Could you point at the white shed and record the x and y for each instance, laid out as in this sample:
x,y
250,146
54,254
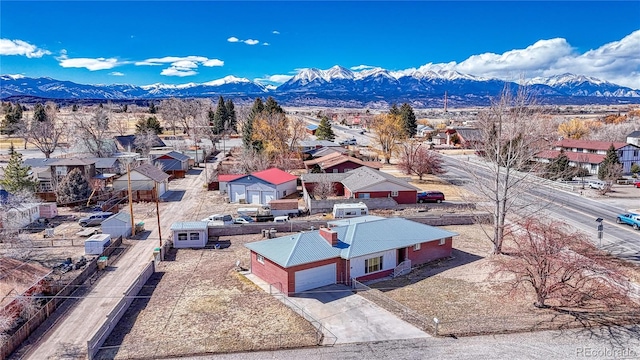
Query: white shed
x,y
190,234
95,244
117,225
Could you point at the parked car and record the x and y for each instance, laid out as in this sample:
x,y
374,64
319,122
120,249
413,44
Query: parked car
x,y
637,184
94,219
599,185
225,219
430,196
242,220
280,219
632,219
351,141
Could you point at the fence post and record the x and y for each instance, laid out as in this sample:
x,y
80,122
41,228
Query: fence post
x,y
436,321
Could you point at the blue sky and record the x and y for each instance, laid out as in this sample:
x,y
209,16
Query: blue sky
x,y
168,42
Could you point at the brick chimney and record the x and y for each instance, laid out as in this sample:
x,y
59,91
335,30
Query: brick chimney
x,y
329,235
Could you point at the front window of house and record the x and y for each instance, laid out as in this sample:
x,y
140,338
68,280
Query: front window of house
x,y
182,236
373,265
260,259
194,236
394,193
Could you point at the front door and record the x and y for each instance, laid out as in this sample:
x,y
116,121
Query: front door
x,y
402,255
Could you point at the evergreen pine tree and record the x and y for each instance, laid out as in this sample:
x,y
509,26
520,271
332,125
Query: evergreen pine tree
x,y
100,106
394,109
39,113
73,188
152,107
220,117
150,123
16,175
232,119
247,129
324,131
610,159
409,122
74,108
272,107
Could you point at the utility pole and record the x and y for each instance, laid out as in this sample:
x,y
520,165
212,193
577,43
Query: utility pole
x,y
155,188
133,225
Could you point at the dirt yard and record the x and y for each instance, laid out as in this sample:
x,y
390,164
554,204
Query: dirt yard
x,y
197,302
466,300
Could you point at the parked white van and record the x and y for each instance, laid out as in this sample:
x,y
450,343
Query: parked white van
x,y
281,219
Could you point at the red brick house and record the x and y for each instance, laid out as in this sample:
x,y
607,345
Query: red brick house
x,y
364,249
364,183
367,183
339,163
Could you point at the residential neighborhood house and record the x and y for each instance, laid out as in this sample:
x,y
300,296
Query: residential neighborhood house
x,y
589,154
338,163
365,250
259,187
145,180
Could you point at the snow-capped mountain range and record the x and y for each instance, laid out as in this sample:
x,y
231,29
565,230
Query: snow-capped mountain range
x,y
339,86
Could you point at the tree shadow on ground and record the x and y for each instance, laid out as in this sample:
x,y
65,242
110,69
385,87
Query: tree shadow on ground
x,y
615,327
112,344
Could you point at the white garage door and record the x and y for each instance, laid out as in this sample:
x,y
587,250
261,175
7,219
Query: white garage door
x,y
237,193
267,196
254,197
316,277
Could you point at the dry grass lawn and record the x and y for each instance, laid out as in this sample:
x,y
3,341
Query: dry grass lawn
x,y
199,303
466,300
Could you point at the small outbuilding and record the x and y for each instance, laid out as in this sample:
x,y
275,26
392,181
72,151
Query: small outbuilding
x,y
117,225
190,234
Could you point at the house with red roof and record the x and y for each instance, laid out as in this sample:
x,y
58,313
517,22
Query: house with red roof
x,y
589,154
259,187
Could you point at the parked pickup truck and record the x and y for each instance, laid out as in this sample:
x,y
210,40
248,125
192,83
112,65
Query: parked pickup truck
x,y
629,219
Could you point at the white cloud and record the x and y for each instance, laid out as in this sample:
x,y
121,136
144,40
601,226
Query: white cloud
x,y
233,39
181,66
181,72
213,62
277,79
361,67
266,44
617,62
116,73
88,63
250,41
276,32
19,47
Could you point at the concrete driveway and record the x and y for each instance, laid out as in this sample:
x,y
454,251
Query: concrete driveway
x,y
352,318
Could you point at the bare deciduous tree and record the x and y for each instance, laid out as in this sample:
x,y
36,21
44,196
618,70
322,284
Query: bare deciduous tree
x,y
297,131
145,140
416,159
93,132
183,112
512,133
250,161
324,187
45,135
561,266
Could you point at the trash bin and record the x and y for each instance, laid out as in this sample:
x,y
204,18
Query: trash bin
x,y
139,226
102,262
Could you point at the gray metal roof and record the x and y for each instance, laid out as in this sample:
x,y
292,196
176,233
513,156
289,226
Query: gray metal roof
x,y
316,177
171,153
152,172
355,220
121,216
359,239
364,177
104,163
189,225
327,143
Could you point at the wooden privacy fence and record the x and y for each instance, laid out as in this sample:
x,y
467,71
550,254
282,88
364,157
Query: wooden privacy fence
x,y
23,332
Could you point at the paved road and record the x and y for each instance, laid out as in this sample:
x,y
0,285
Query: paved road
x,y
544,345
68,338
578,211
